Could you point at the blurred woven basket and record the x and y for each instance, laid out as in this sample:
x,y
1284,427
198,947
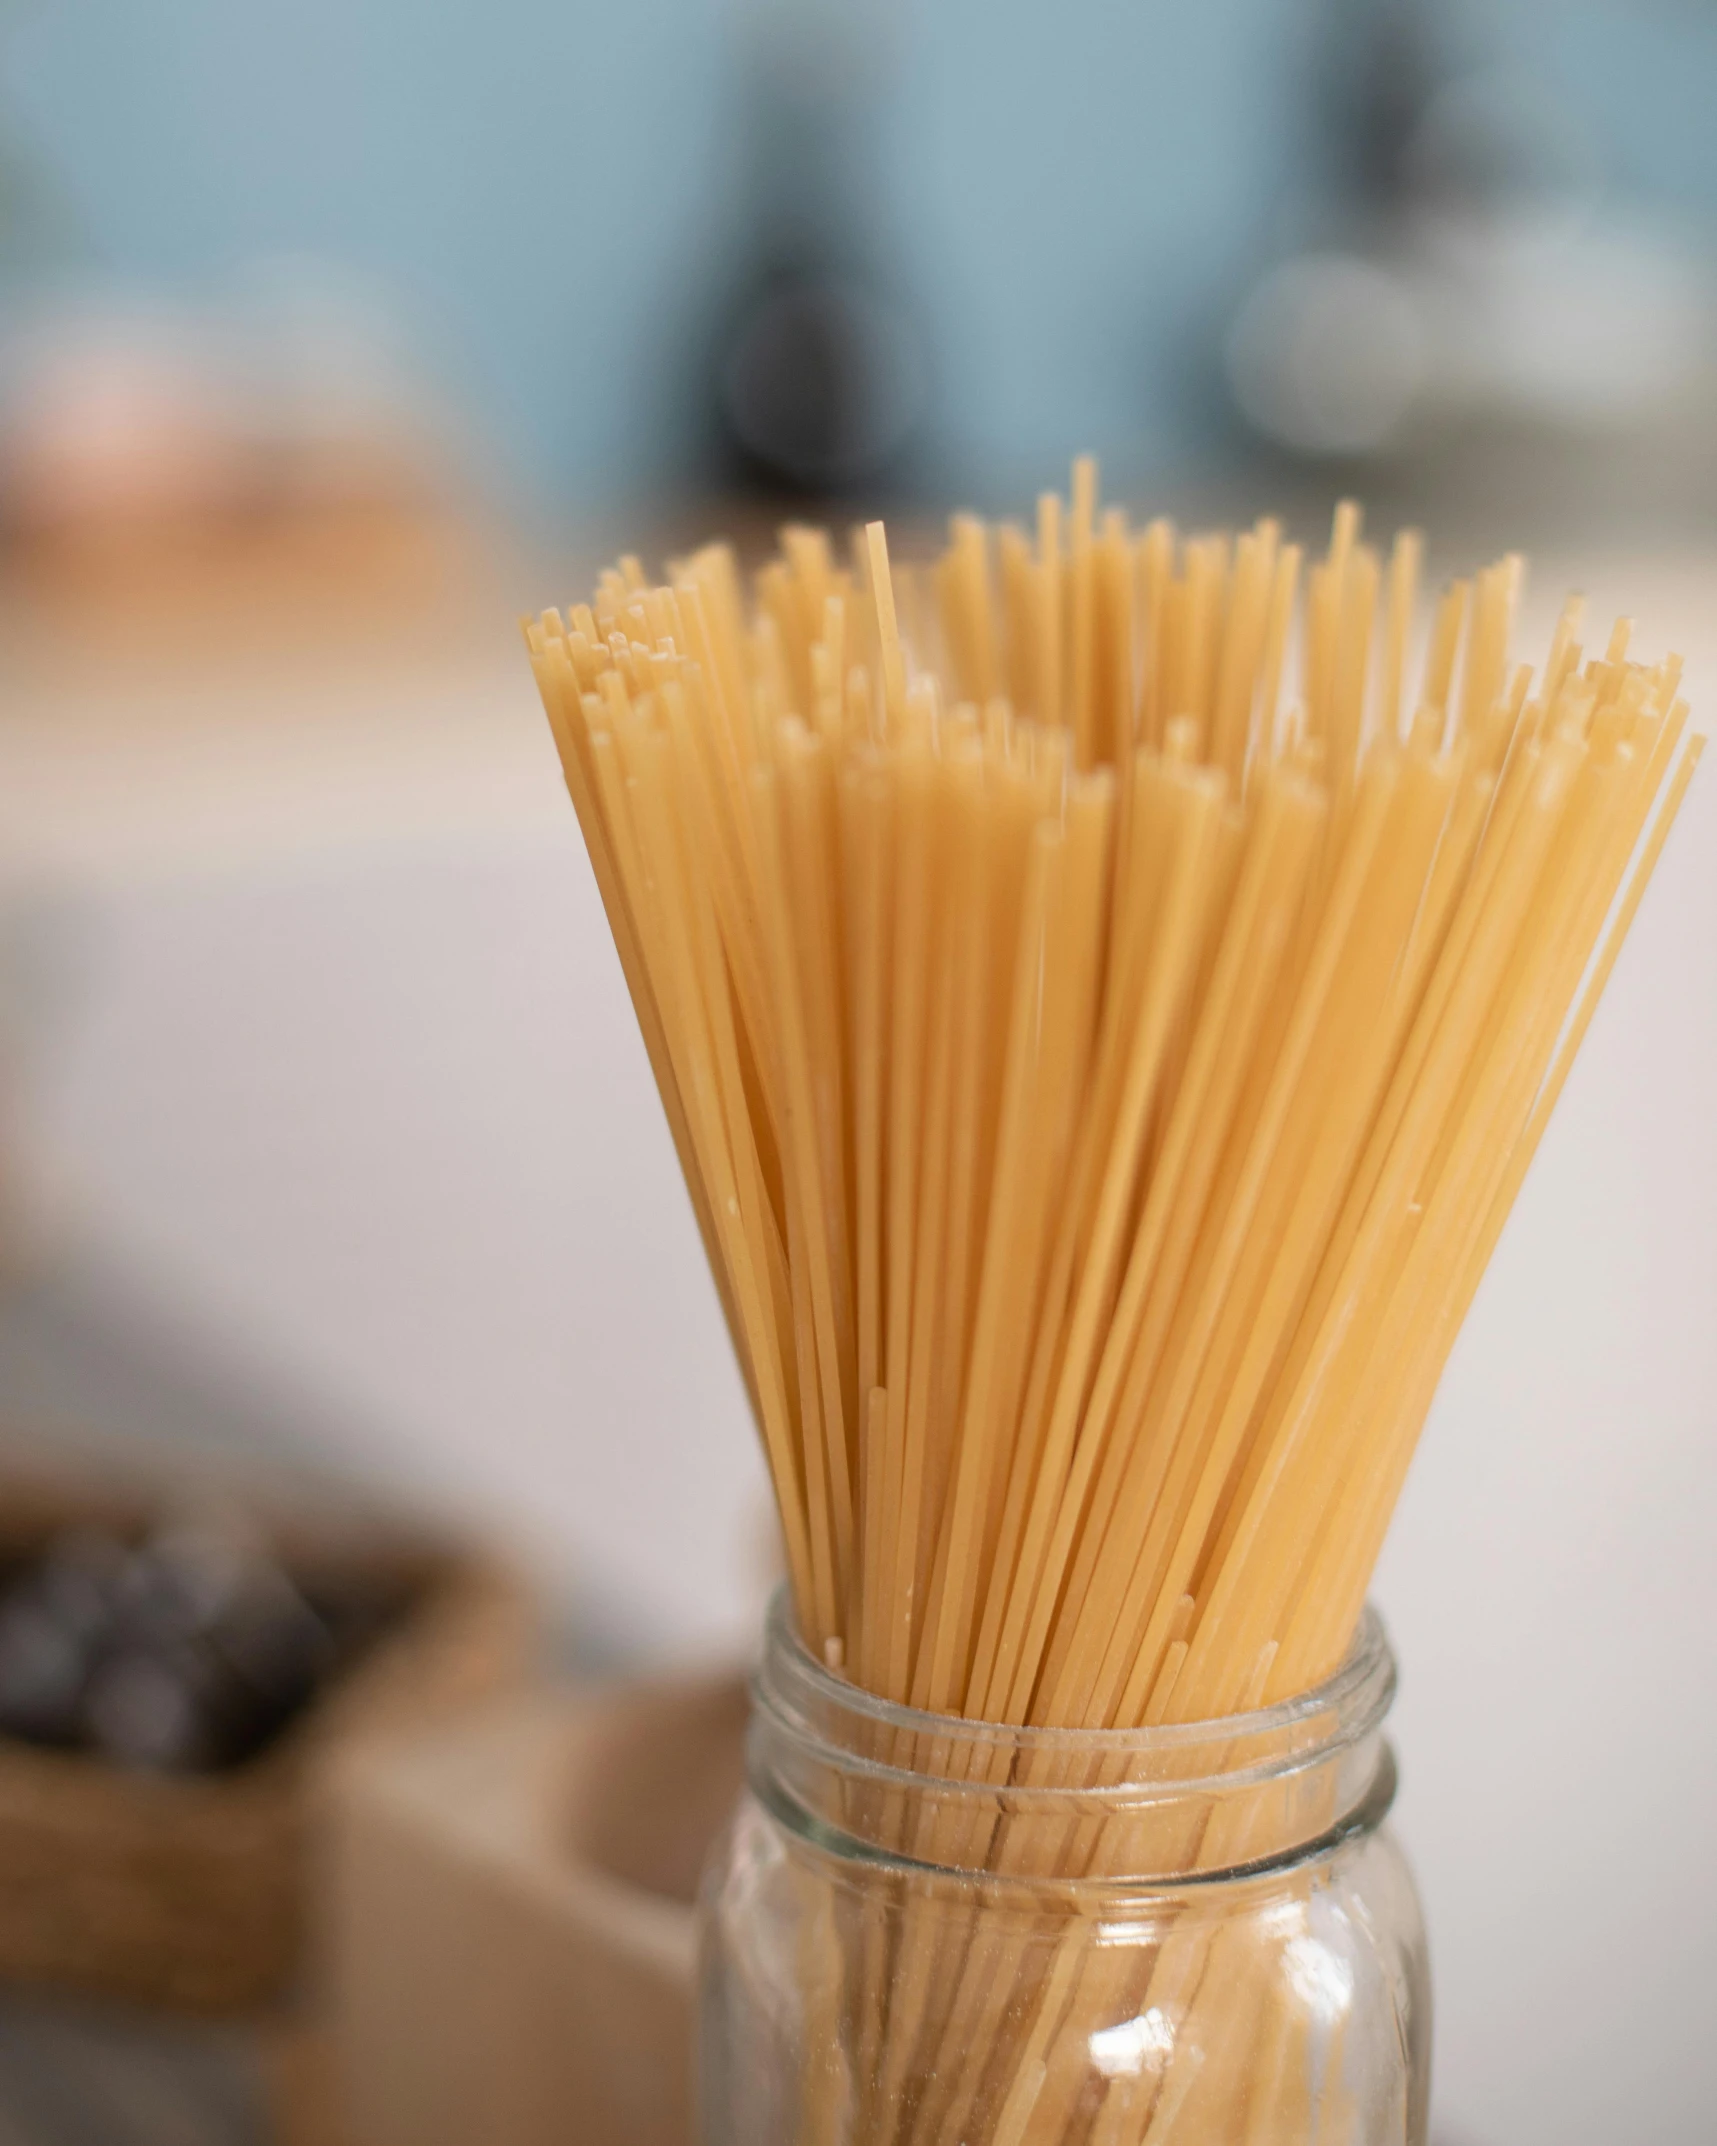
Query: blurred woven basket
x,y
189,1891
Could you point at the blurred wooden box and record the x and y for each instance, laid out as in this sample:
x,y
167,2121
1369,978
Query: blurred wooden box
x,y
510,1924
189,1891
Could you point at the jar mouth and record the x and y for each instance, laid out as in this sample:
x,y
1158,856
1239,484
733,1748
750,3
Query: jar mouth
x,y
1283,1777
1359,1691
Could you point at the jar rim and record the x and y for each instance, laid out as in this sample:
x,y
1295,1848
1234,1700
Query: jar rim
x,y
867,1777
811,1725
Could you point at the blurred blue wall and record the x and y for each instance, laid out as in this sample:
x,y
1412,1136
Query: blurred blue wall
x,y
1072,190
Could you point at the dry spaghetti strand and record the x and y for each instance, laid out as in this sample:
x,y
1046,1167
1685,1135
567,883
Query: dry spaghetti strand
x,y
1101,1077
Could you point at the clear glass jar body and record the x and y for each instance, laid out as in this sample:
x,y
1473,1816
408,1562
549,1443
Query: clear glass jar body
x,y
928,1932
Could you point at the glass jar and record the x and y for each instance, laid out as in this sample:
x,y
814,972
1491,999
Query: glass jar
x,y
922,1931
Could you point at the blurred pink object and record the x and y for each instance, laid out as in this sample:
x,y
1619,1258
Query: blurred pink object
x,y
120,426
291,394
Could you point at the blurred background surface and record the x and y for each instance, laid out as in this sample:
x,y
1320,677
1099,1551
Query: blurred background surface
x,y
331,337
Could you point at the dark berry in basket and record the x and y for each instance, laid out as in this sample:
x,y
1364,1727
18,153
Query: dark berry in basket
x,y
188,1651
44,1665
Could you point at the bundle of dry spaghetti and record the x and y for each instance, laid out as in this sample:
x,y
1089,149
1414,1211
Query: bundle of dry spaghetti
x,y
1101,1070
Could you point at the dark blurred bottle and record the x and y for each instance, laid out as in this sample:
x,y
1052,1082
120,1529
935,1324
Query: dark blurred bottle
x,y
816,375
1326,356
1460,303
